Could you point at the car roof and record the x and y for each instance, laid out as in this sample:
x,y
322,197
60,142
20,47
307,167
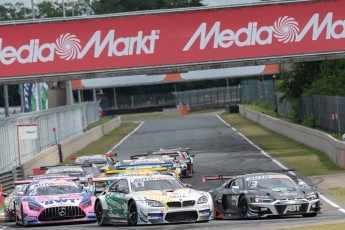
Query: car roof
x,y
150,177
265,174
52,180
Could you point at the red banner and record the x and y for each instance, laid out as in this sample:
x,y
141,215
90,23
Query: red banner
x,y
172,38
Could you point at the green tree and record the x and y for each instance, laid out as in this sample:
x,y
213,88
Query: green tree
x,y
331,81
116,6
296,82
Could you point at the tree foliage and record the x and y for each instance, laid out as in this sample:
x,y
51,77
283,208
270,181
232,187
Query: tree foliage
x,y
319,77
117,6
331,81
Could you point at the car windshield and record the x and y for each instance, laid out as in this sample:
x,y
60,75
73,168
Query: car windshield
x,y
20,188
52,188
271,183
73,172
143,185
92,171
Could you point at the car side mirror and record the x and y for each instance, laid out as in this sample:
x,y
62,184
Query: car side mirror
x,y
301,184
20,194
236,189
123,190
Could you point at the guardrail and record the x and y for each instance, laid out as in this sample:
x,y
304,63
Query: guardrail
x,y
7,178
310,137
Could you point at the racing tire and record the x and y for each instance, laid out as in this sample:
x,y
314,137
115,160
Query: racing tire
x,y
132,214
16,218
309,214
22,216
99,214
243,208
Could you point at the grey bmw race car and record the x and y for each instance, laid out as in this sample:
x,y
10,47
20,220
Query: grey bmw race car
x,y
259,195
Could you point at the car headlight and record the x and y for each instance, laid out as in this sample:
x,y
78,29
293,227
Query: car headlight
x,y
154,203
34,207
260,200
312,196
87,203
203,199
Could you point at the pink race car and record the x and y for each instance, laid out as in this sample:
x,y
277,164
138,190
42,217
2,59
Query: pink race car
x,y
53,201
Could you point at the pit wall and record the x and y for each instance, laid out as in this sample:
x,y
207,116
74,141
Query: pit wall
x,y
50,156
310,137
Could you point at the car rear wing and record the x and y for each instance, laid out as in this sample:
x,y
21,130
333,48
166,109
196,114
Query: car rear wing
x,y
137,156
217,177
171,149
54,166
117,171
163,152
17,182
45,176
104,155
154,166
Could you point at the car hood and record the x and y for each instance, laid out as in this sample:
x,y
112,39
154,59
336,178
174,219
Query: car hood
x,y
278,194
60,200
169,195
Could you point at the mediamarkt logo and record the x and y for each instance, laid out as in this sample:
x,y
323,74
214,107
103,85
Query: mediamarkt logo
x,y
285,30
68,47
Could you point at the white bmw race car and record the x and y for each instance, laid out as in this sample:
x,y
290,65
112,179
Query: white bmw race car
x,y
154,199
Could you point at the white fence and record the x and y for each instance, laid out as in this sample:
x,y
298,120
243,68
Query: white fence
x,y
53,126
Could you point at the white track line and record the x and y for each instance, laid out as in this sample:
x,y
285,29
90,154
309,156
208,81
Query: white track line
x,y
141,123
280,164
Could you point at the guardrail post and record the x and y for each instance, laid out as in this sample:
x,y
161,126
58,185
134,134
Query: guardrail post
x,y
60,153
14,172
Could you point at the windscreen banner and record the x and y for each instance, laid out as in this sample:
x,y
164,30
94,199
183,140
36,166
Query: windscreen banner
x,y
171,38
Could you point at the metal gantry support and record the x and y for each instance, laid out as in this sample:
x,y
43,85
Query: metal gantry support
x,y
7,114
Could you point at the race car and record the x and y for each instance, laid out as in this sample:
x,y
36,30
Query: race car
x,y
183,157
50,201
9,209
101,160
259,195
102,182
92,170
163,165
174,170
73,171
155,199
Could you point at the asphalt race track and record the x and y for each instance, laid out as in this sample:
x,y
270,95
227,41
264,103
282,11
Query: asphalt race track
x,y
219,150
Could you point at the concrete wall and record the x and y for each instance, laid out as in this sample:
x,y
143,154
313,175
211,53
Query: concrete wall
x,y
171,112
50,156
310,137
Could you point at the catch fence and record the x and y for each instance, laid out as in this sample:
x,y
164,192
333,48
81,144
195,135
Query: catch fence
x,y
51,126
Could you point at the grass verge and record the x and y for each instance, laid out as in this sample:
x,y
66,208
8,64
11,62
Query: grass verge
x,y
106,143
338,192
262,108
100,122
305,160
1,211
141,116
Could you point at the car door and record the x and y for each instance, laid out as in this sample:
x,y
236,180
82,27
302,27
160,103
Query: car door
x,y
230,196
115,198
